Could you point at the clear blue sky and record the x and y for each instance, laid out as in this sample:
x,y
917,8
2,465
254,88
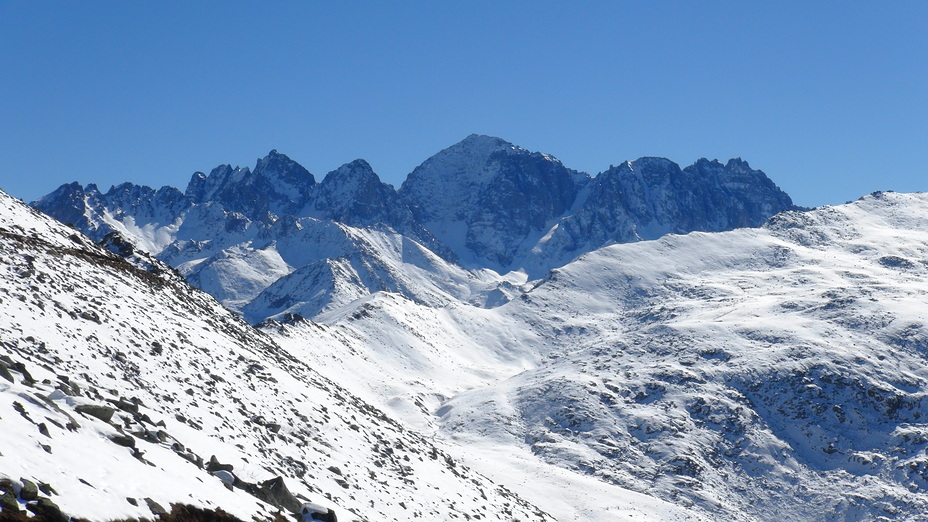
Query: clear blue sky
x,y
830,99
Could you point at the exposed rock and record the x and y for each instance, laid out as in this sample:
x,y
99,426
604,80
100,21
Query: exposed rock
x,y
155,507
5,372
214,465
29,490
275,492
104,413
127,441
48,510
21,368
8,503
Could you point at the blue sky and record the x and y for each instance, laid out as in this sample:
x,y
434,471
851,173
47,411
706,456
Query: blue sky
x,y
830,99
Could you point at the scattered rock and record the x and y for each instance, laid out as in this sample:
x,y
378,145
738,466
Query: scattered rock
x,y
126,406
43,429
47,489
19,408
90,316
191,457
132,501
21,368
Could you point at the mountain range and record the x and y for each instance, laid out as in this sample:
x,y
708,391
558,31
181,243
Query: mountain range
x,y
274,241
501,338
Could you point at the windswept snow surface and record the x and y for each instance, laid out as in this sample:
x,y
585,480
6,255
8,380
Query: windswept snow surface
x,y
758,374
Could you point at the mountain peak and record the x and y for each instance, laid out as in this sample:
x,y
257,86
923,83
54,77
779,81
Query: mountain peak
x,y
357,166
355,173
280,166
737,162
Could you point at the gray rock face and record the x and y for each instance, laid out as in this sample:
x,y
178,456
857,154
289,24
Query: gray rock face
x,y
278,184
484,197
650,197
354,195
501,206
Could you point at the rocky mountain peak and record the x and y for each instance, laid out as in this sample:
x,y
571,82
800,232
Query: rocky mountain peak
x,y
353,194
357,171
68,203
281,170
278,185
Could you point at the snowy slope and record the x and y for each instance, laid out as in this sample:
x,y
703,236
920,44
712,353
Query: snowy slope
x,y
374,259
774,373
183,379
758,374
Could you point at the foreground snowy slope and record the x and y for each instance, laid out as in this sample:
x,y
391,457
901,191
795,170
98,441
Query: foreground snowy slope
x,y
117,385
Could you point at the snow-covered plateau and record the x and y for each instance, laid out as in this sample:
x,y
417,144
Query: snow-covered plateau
x,y
608,348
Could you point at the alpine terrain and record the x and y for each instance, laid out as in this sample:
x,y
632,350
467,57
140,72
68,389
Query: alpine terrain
x,y
502,338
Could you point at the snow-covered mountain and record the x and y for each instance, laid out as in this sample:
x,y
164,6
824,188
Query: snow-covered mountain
x,y
480,204
759,374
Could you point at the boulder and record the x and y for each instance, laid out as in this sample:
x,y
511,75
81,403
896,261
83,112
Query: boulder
x,y
104,413
275,492
8,503
156,508
47,510
214,465
127,441
5,372
29,490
